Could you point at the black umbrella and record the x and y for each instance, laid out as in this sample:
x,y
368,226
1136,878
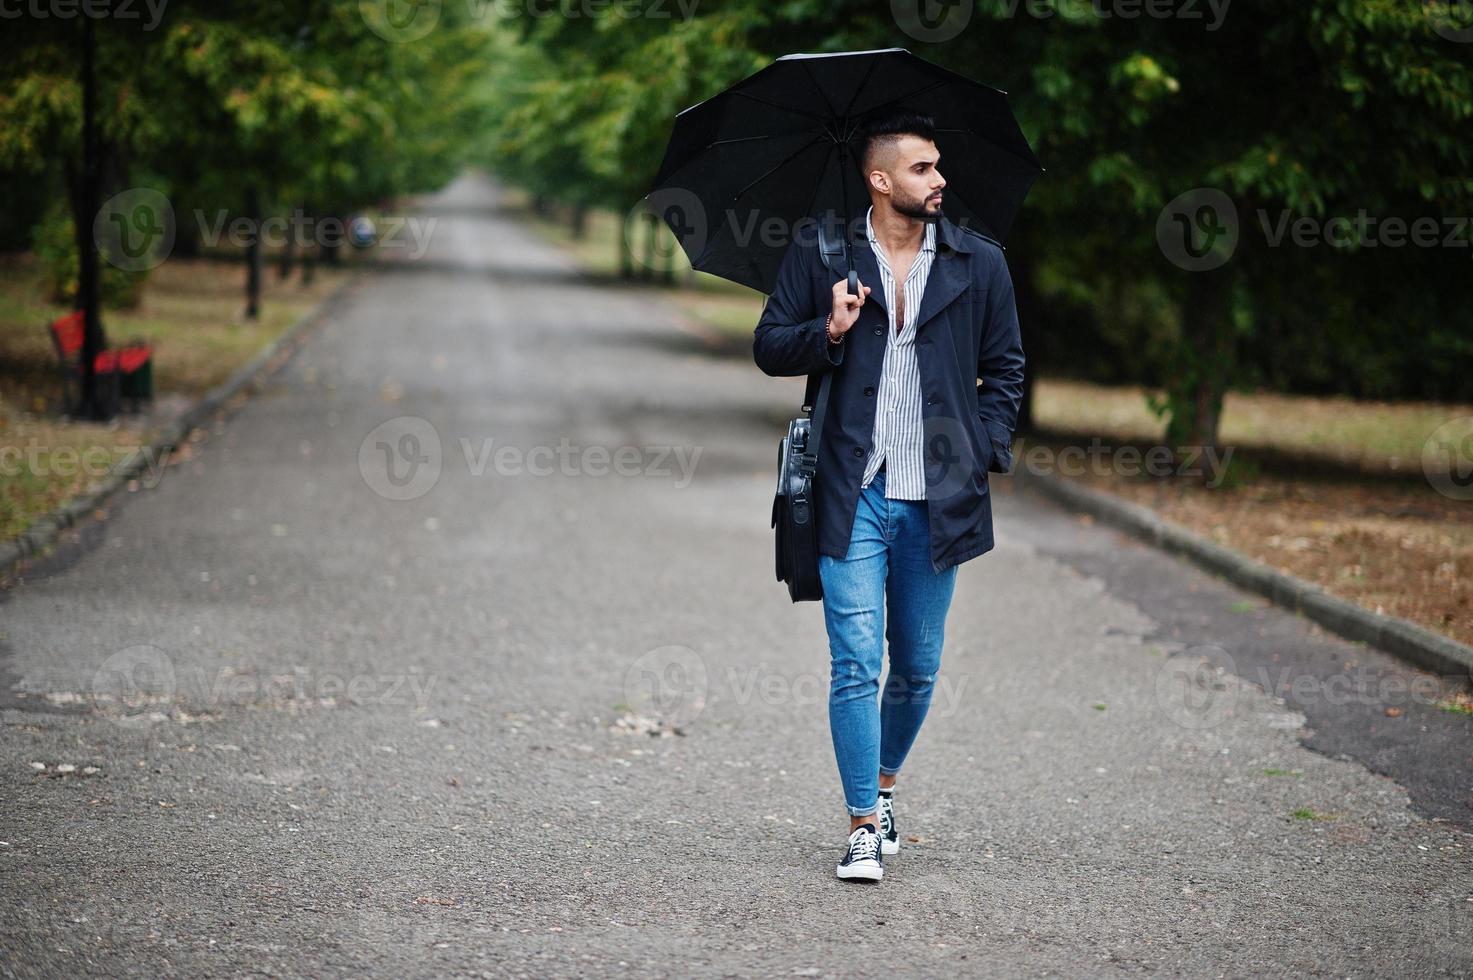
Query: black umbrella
x,y
744,167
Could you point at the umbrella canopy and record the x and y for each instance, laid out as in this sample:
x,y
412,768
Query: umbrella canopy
x,y
743,168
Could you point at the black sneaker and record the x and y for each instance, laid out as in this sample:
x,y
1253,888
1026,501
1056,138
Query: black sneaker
x,y
889,836
862,861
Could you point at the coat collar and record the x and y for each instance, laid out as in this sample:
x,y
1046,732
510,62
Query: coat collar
x,y
950,272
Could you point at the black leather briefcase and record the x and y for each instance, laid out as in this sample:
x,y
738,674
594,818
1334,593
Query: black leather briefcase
x,y
794,505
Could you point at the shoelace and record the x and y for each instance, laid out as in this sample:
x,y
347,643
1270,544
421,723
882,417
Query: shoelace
x,y
863,845
887,817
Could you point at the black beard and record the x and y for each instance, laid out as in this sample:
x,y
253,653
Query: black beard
x,y
916,209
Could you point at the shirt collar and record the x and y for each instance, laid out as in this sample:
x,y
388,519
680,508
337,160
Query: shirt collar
x,y
928,240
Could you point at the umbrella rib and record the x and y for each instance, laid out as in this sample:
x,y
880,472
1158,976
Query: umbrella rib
x,y
809,72
775,105
775,167
748,139
860,87
920,91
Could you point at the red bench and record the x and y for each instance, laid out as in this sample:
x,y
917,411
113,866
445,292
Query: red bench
x,y
122,373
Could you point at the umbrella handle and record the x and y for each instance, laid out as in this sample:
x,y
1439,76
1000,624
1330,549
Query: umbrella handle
x,y
853,283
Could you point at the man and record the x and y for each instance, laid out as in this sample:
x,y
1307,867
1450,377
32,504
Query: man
x,y
901,486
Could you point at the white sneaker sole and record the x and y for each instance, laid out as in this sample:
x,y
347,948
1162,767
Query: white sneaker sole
x,y
861,872
889,846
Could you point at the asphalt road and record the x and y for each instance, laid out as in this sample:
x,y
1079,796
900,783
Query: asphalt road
x,y
457,652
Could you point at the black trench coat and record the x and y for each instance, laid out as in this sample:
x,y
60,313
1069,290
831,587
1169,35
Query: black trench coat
x,y
967,317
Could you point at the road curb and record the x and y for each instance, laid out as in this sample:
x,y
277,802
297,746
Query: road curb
x,y
1399,637
45,530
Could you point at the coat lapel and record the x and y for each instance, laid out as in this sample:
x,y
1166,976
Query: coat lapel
x,y
950,272
868,267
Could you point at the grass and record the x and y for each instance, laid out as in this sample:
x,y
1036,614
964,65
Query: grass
x,y
1460,703
1367,435
1306,813
191,313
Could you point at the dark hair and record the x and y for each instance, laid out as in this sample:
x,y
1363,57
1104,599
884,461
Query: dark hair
x,y
886,126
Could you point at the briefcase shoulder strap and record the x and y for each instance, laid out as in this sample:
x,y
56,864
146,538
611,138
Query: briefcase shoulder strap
x,y
831,249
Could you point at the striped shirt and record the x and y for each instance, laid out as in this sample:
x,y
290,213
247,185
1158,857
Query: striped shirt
x,y
898,439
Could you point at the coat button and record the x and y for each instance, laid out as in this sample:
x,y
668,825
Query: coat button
x,y
858,451
869,389
879,331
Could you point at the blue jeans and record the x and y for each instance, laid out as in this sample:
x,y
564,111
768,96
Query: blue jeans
x,y
888,566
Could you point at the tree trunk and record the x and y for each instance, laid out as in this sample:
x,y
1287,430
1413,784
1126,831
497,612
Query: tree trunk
x,y
328,251
1205,363
85,202
309,254
650,221
289,250
626,252
253,254
669,256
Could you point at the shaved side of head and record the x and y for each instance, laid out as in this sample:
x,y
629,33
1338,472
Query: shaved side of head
x,y
879,138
